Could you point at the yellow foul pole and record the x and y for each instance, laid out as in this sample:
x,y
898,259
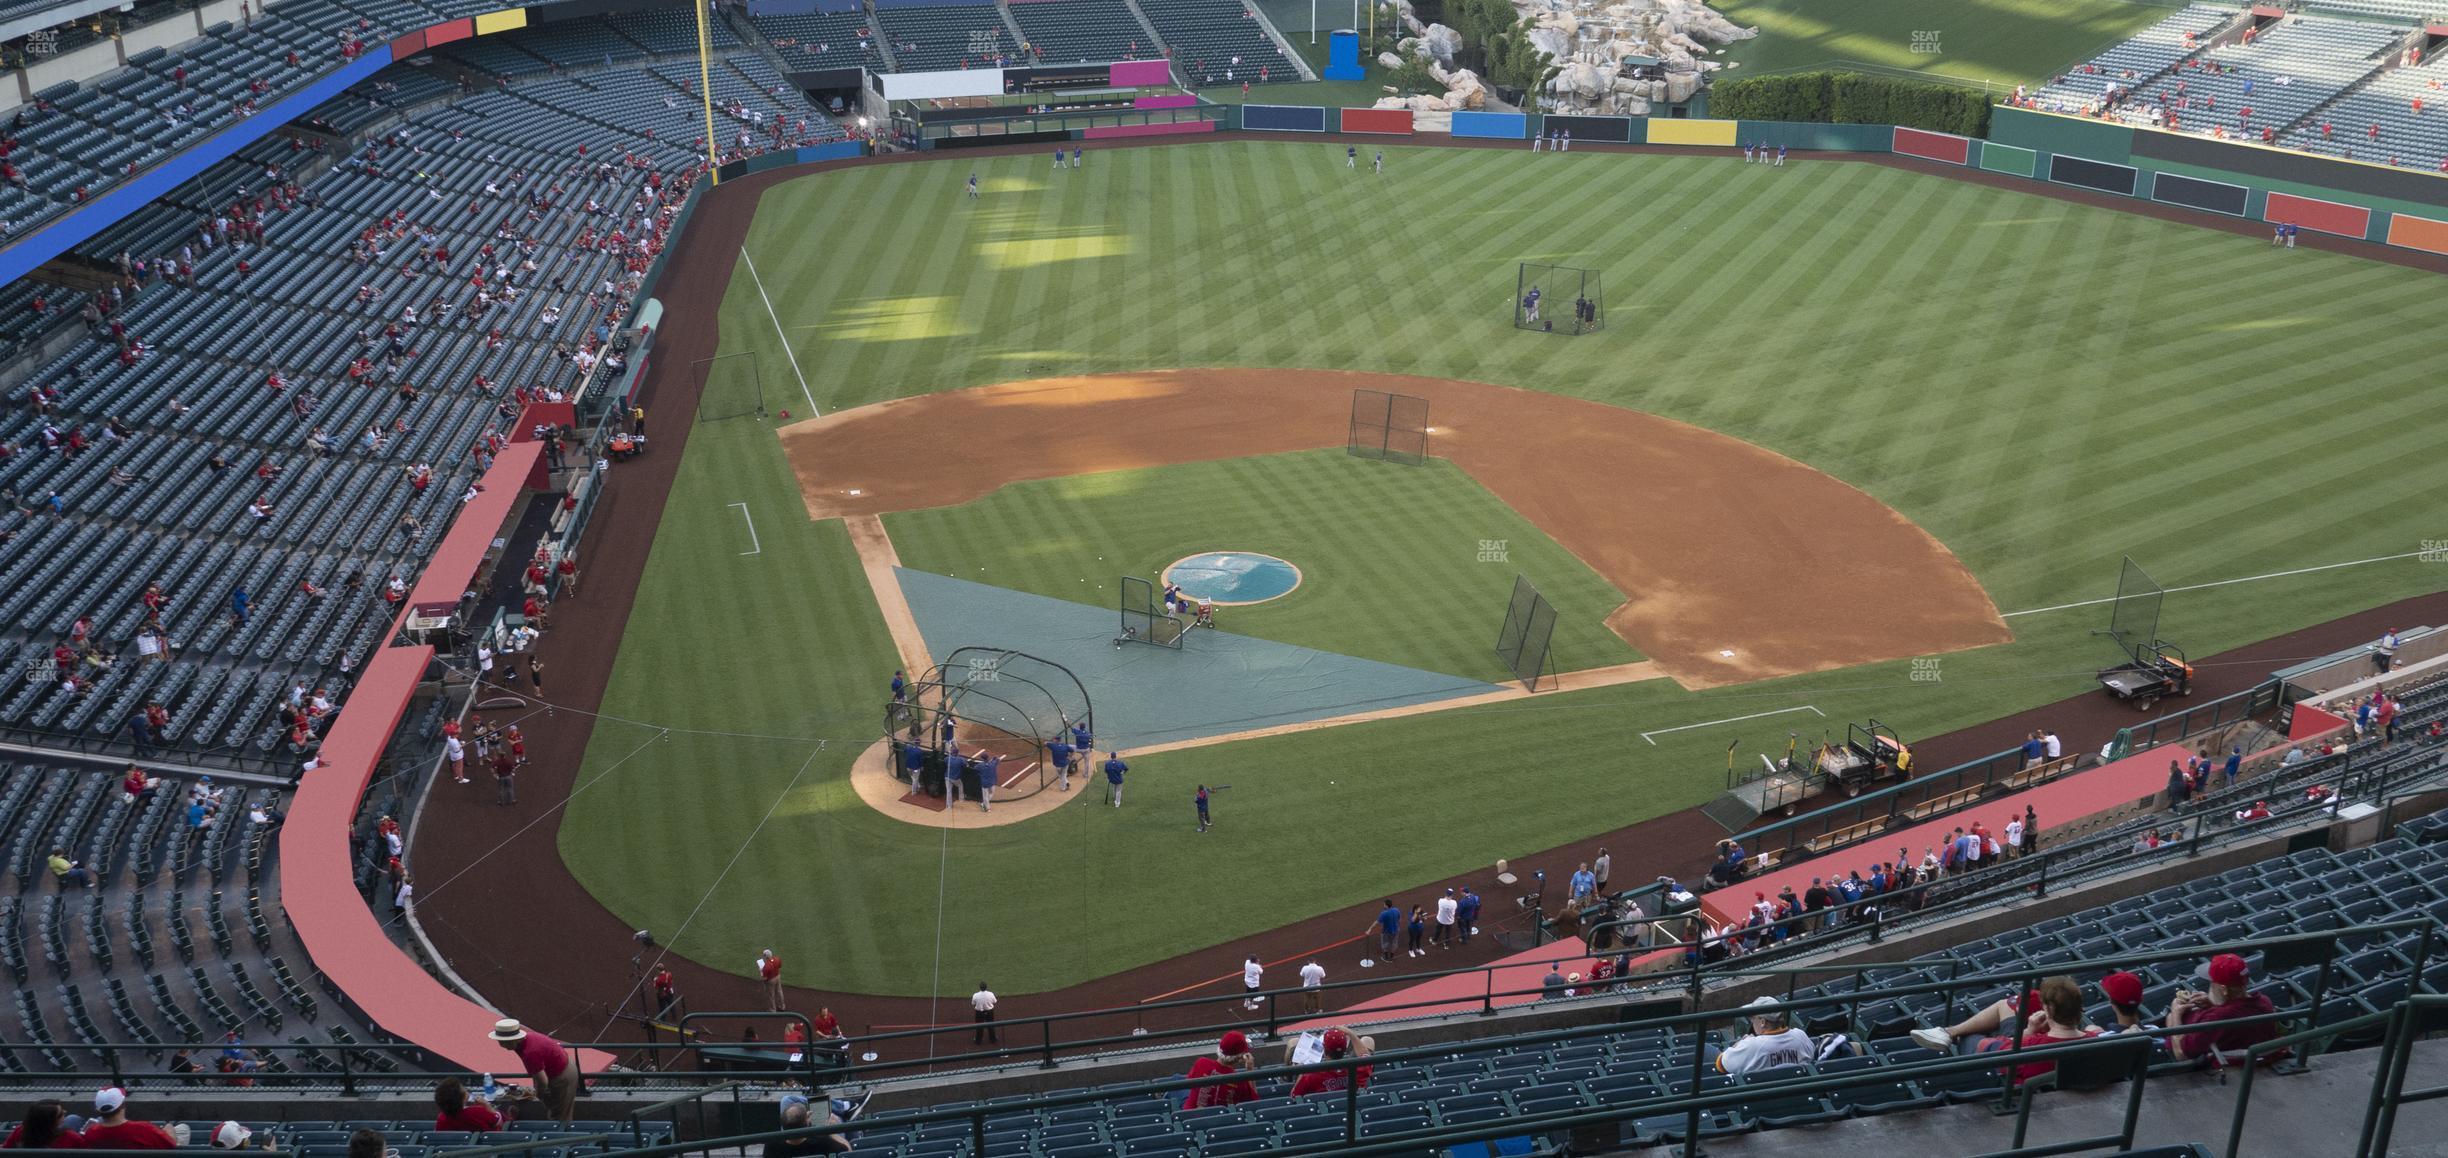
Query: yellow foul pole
x,y
705,90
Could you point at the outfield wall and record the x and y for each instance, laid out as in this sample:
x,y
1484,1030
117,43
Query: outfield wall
x,y
2377,203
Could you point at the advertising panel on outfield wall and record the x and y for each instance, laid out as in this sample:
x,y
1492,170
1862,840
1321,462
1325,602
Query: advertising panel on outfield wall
x,y
2008,159
2288,165
2196,193
2090,174
1931,146
1607,130
1393,121
1283,118
1500,126
2421,233
1673,132
2313,213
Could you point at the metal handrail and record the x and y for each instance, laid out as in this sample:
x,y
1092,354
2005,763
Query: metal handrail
x,y
525,1145
2031,874
1694,1102
2388,1082
1987,767
1851,1001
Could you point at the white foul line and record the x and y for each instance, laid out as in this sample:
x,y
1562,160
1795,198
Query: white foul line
x,y
1729,720
786,349
2226,582
754,547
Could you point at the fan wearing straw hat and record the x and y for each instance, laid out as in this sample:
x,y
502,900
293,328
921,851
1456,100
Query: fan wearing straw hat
x,y
547,1064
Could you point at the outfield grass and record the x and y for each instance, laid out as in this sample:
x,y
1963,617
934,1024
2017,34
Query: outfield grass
x,y
2002,42
2044,386
1406,565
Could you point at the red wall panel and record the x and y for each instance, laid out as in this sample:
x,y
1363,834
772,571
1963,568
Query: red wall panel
x,y
1934,146
1397,121
2312,213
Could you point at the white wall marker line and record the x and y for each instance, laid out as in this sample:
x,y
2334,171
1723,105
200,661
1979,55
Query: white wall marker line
x,y
2230,582
1729,720
777,323
754,547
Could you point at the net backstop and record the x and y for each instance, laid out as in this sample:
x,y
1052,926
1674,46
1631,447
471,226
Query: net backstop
x,y
730,386
1144,620
1529,630
2134,617
1389,427
1558,299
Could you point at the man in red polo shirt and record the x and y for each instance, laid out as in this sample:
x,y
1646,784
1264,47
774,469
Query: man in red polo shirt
x,y
769,971
547,1065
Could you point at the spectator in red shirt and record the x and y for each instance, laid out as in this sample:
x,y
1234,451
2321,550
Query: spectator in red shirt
x,y
769,971
452,1111
2231,996
547,1065
1232,1056
45,1128
2059,1019
111,1129
1337,1045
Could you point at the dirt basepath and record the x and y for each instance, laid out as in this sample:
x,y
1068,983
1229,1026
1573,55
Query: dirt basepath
x,y
1695,528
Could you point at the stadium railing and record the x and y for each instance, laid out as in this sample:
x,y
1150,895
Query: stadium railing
x,y
1690,1031
1783,836
2363,775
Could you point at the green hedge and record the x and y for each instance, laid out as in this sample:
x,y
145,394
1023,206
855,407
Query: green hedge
x,y
1851,98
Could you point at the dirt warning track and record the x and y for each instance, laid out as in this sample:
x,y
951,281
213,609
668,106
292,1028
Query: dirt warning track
x,y
1697,529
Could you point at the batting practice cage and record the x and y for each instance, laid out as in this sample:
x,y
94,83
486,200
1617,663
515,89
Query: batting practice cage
x,y
981,701
731,386
2134,618
1143,620
1389,427
1529,627
1558,299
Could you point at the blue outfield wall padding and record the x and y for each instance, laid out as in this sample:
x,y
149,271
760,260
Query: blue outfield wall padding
x,y
832,151
1284,118
155,183
1500,126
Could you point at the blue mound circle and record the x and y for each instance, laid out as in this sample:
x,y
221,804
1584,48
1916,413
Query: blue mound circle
x,y
1233,578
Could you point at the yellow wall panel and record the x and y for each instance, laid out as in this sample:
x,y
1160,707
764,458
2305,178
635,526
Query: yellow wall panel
x,y
1672,132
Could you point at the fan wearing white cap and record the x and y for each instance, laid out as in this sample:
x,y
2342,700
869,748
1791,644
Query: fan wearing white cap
x,y
547,1064
232,1136
110,1128
1771,1042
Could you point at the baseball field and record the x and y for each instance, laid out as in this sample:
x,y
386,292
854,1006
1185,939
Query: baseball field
x,y
1861,429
